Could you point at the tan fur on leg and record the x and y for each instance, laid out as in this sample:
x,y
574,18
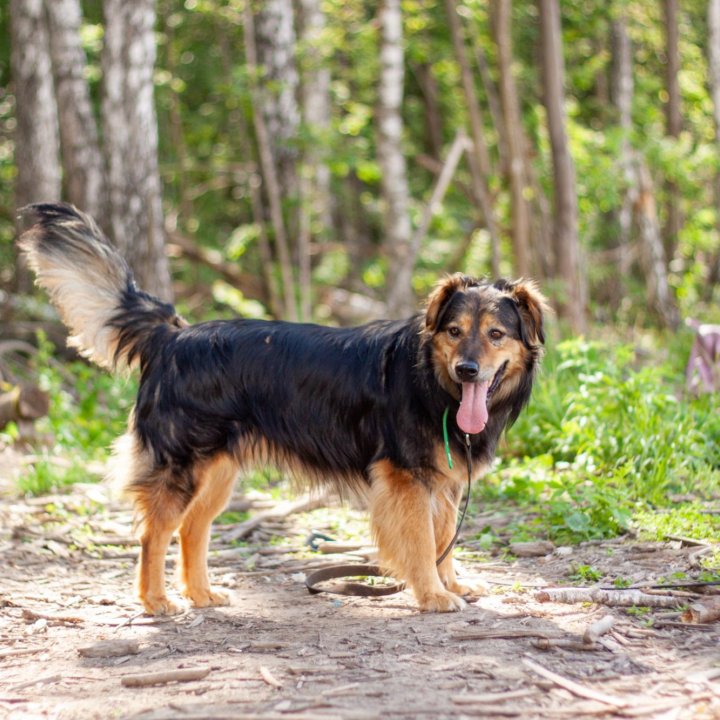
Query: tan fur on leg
x,y
161,515
215,484
445,507
402,523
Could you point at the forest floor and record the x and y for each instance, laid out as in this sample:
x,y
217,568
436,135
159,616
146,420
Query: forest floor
x,y
66,573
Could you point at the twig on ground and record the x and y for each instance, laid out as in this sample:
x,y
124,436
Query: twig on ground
x,y
574,687
67,619
490,698
282,510
163,678
509,634
110,648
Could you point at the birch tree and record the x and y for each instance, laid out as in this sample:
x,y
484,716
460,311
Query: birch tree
x,y
394,185
83,169
130,135
713,15
571,304
37,143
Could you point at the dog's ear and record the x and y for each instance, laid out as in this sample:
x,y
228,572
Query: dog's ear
x,y
440,296
532,306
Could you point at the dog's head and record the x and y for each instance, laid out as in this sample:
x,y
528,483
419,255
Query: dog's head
x,y
485,341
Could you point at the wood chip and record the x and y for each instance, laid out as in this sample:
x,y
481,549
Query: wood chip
x,y
537,548
163,678
110,648
597,629
269,678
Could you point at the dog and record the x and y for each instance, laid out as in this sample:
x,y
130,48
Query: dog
x,y
360,409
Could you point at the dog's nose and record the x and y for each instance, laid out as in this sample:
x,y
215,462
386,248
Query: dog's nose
x,y
467,370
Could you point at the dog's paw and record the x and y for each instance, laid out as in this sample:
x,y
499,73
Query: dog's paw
x,y
467,590
160,605
205,597
441,602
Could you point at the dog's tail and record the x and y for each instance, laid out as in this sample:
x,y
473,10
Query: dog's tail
x,y
112,322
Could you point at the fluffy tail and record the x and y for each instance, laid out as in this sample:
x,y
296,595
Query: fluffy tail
x,y
111,320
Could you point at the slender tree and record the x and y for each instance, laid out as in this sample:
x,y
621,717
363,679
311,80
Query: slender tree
x,y
568,270
713,45
83,168
514,136
394,187
130,135
37,144
673,119
479,158
316,215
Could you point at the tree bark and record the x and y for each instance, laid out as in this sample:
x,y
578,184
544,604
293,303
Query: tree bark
x,y
514,136
622,89
37,143
269,170
479,158
572,302
130,135
394,185
714,83
275,45
83,168
316,208
673,118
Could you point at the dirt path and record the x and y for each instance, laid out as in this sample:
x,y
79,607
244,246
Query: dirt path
x,y
278,652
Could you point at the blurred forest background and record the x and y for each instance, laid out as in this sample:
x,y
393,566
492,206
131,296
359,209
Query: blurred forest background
x,y
328,160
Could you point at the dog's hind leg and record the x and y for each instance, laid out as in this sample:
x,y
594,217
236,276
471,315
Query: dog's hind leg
x,y
161,511
214,486
401,515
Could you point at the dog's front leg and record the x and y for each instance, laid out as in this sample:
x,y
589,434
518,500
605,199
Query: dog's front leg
x,y
401,516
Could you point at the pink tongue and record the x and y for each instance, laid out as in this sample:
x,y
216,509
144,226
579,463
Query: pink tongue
x,y
473,413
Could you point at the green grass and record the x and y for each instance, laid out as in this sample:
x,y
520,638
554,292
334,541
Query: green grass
x,y
608,440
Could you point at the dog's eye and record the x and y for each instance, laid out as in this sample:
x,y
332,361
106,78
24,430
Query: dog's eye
x,y
496,334
454,331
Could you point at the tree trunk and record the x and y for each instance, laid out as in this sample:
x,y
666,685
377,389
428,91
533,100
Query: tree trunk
x,y
673,118
479,158
83,168
652,253
130,135
316,220
714,82
622,89
572,302
394,187
275,45
519,208
37,144
269,169
431,104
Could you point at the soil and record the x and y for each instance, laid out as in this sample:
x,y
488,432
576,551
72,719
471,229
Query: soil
x,y
67,567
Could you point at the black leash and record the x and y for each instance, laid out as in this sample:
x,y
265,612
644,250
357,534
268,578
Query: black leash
x,y
334,572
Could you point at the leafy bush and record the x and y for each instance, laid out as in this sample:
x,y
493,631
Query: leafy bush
x,y
608,437
88,410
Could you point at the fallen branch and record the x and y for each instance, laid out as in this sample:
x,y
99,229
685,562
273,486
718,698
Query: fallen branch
x,y
17,652
564,643
244,529
69,619
611,598
502,635
490,698
537,548
576,688
163,678
703,611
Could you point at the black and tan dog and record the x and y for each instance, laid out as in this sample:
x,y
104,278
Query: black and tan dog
x,y
361,409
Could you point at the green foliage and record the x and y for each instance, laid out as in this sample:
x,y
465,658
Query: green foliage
x,y
88,410
607,439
